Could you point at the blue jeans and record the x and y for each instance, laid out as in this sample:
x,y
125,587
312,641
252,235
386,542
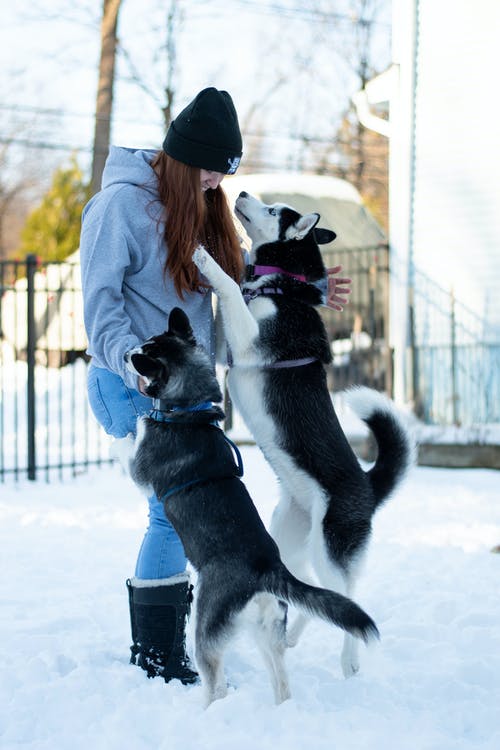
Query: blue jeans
x,y
116,407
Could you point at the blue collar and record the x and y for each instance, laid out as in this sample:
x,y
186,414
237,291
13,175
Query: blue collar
x,y
163,411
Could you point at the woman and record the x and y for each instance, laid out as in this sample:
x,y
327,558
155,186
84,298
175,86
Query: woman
x,y
138,235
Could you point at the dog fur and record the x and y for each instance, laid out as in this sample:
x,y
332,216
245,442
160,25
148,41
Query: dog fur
x,y
187,458
323,519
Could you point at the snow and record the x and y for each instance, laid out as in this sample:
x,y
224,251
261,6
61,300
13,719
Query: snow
x,y
314,185
430,581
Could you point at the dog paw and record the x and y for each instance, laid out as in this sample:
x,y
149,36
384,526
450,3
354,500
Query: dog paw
x,y
350,667
200,257
122,450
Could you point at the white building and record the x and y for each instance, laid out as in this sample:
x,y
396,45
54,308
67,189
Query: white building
x,y
444,203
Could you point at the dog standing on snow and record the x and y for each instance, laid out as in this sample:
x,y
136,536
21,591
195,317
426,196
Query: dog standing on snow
x,y
279,346
183,455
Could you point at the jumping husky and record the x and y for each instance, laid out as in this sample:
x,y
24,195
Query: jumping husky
x,y
278,345
183,455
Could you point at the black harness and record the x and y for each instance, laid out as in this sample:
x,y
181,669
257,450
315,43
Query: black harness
x,y
164,412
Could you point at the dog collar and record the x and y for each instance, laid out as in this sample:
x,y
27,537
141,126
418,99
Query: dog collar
x,y
283,363
264,270
164,411
249,294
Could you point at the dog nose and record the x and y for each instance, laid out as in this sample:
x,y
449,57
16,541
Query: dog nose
x,y
243,194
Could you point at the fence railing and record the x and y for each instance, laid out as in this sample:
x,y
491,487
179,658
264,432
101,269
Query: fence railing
x,y
456,359
46,427
358,335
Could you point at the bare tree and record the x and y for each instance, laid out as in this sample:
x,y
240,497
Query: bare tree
x,y
355,153
365,163
173,16
165,101
104,105
20,183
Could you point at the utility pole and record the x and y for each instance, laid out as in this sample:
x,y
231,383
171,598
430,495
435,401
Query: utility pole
x,y
104,103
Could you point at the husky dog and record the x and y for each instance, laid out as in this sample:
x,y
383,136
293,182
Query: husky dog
x,y
279,346
183,455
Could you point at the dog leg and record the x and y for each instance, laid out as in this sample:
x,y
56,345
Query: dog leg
x,y
270,637
290,529
214,625
210,664
332,577
349,659
296,629
240,326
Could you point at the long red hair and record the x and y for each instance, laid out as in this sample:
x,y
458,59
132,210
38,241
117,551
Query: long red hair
x,y
193,217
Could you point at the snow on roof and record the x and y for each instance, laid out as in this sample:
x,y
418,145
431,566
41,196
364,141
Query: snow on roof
x,y
317,186
337,201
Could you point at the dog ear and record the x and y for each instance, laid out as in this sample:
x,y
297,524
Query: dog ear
x,y
148,367
302,227
323,236
179,325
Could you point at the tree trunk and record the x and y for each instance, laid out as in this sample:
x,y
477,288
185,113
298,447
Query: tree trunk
x,y
104,104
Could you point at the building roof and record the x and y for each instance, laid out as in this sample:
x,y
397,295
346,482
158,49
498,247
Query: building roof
x,y
337,201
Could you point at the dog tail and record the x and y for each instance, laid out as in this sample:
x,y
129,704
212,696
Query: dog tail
x,y
396,449
328,605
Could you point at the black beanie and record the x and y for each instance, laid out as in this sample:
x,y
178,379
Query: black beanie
x,y
206,133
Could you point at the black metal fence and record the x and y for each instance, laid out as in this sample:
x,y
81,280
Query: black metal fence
x,y
358,335
46,427
455,359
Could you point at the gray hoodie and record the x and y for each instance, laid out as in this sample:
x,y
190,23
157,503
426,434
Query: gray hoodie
x,y
126,296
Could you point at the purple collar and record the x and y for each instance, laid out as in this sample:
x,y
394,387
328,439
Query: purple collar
x,y
281,364
249,294
290,363
264,270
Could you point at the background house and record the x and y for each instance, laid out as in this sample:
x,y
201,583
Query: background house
x,y
444,207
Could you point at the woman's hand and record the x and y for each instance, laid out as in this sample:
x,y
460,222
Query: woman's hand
x,y
338,289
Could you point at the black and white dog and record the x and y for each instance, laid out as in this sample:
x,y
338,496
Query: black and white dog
x,y
279,347
183,455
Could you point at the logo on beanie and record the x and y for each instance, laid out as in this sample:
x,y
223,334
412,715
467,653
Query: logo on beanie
x,y
233,164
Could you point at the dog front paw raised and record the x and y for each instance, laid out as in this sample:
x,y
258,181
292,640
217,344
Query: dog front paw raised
x,y
200,257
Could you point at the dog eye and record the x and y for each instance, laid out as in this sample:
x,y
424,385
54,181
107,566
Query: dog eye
x,y
272,211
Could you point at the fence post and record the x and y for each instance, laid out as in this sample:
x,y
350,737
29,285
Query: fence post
x,y
453,347
31,264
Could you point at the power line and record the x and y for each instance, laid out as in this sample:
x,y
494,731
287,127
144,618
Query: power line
x,y
58,112
61,112
28,143
41,110
312,14
44,145
250,162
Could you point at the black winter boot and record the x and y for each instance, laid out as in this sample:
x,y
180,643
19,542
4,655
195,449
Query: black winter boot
x,y
158,614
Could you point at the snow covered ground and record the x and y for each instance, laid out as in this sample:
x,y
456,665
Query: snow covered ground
x,y
431,583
